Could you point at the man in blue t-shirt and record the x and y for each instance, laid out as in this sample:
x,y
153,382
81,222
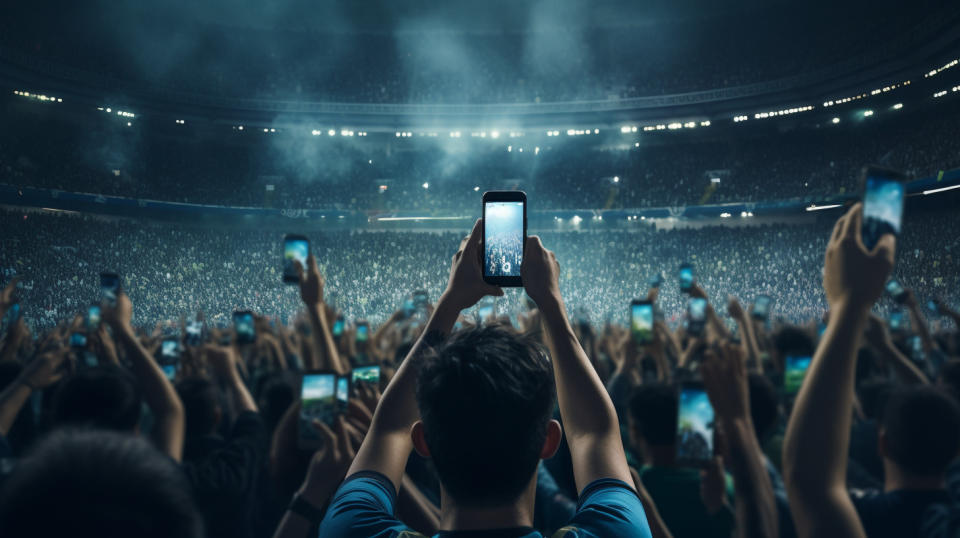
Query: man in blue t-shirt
x,y
479,406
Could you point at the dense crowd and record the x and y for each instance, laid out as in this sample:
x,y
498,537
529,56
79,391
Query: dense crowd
x,y
206,437
609,171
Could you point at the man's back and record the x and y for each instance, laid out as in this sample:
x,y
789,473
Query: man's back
x,y
676,490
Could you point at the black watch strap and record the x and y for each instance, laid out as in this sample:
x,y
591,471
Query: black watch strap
x,y
303,508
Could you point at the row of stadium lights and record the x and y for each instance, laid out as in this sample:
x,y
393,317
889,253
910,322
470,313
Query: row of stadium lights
x,y
38,97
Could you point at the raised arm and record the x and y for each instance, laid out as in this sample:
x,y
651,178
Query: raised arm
x,y
919,322
817,438
749,336
39,373
158,392
879,339
311,291
387,445
592,430
725,378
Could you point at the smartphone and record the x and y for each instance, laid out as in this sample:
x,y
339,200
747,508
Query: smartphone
x,y
897,321
896,290
916,348
696,315
504,236
296,248
338,326
795,369
365,374
686,277
343,393
932,307
13,315
420,299
656,280
93,318
109,288
194,331
170,357
641,321
694,426
408,307
363,331
318,401
761,307
78,340
244,326
884,193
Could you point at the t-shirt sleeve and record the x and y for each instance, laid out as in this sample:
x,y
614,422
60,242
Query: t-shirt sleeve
x,y
608,507
363,507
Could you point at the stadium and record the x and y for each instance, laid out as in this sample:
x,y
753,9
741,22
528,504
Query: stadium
x,y
173,147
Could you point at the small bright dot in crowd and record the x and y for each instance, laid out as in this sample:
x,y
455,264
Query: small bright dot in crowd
x,y
475,189
426,185
616,179
835,120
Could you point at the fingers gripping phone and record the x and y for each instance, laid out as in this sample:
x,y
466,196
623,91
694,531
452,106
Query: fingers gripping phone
x,y
296,248
641,322
109,288
504,237
695,425
884,193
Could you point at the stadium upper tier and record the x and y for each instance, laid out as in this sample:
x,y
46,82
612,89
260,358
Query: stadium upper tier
x,y
758,161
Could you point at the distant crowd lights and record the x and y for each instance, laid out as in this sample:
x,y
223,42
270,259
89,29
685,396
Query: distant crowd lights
x,y
38,96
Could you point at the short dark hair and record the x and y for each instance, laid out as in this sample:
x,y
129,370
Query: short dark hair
x,y
654,411
793,340
922,429
99,483
104,397
201,400
485,396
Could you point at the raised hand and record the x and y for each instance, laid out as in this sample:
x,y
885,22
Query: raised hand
x,y
118,316
465,286
540,273
329,464
725,379
311,282
852,276
45,370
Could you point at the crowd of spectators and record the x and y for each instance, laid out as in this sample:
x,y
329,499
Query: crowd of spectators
x,y
606,171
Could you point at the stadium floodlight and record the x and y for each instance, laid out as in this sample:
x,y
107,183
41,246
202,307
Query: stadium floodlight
x,y
426,185
494,134
597,131
724,215
536,150
636,144
476,189
814,207
398,134
715,180
625,129
509,148
129,124
616,179
867,113
835,120
108,110
898,106
571,132
266,130
240,128
576,219
315,132
941,189
332,132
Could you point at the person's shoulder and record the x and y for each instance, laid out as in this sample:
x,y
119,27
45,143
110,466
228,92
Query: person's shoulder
x,y
363,506
607,507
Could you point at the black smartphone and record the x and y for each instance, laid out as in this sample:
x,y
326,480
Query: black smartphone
x,y
884,193
897,321
641,321
343,392
795,369
369,375
296,248
896,290
504,237
244,327
170,357
13,315
318,401
93,318
656,280
363,331
686,277
695,425
696,315
933,307
78,340
916,348
761,307
195,333
109,288
338,326
420,299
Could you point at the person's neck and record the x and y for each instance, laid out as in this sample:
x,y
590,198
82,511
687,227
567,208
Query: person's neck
x,y
517,513
896,478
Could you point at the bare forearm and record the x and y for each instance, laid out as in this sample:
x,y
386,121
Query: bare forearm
x,y
750,338
588,414
387,445
12,400
814,453
323,339
241,396
756,506
904,367
919,324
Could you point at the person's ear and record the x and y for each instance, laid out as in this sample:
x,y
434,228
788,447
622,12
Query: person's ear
x,y
419,436
882,444
552,441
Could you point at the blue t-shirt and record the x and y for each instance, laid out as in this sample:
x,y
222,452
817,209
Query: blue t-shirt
x,y
363,508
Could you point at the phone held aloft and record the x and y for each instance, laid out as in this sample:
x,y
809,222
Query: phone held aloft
x,y
504,237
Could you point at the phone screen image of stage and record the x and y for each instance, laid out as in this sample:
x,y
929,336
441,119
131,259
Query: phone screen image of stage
x,y
694,426
318,402
794,372
641,322
882,209
503,236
